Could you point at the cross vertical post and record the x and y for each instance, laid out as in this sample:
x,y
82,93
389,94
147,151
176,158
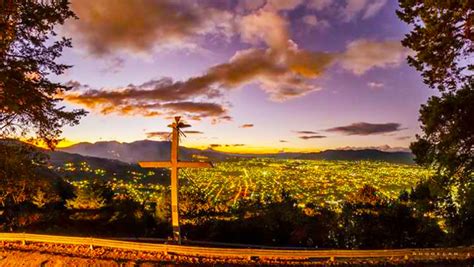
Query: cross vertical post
x,y
174,183
174,164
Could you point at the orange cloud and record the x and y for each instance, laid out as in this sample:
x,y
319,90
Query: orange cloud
x,y
265,26
282,70
282,80
160,135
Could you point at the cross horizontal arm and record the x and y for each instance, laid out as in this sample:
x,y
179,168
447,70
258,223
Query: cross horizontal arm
x,y
194,164
155,164
181,164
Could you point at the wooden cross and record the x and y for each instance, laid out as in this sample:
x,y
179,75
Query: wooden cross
x,y
174,164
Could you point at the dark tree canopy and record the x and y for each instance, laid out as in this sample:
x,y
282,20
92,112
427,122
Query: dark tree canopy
x,y
448,127
28,50
24,174
442,38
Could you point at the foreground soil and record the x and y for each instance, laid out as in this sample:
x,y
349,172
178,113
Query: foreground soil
x,y
44,254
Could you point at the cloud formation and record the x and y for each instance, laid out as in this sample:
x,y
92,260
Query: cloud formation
x,y
313,21
193,132
226,118
306,132
268,5
362,55
225,145
361,8
319,4
246,125
244,6
385,148
278,5
113,65
365,128
282,76
152,98
198,109
307,137
375,85
267,27
161,135
140,25
280,68
404,137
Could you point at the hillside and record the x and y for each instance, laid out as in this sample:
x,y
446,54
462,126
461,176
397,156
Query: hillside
x,y
77,167
147,150
134,152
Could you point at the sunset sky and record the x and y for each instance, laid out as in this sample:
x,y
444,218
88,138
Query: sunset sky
x,y
258,76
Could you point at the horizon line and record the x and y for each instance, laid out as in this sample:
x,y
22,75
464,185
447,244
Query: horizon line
x,y
244,149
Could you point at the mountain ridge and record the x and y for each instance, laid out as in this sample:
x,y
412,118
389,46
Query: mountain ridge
x,y
148,150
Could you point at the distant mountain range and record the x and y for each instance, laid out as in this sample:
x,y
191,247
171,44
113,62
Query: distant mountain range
x,y
134,152
83,166
147,150
112,167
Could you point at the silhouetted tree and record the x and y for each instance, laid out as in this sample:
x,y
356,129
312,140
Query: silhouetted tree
x,y
317,229
28,98
93,196
448,139
462,221
371,221
23,173
26,184
442,39
127,216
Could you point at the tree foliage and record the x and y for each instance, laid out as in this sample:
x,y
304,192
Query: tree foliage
x,y
91,197
442,39
448,127
23,173
371,221
29,47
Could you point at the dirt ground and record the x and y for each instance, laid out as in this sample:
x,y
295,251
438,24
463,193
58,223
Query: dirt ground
x,y
44,254
20,258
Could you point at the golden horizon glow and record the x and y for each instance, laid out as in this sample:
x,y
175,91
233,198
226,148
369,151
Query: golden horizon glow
x,y
245,149
254,149
41,144
222,146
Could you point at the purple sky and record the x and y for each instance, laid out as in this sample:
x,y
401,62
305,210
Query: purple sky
x,y
252,72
